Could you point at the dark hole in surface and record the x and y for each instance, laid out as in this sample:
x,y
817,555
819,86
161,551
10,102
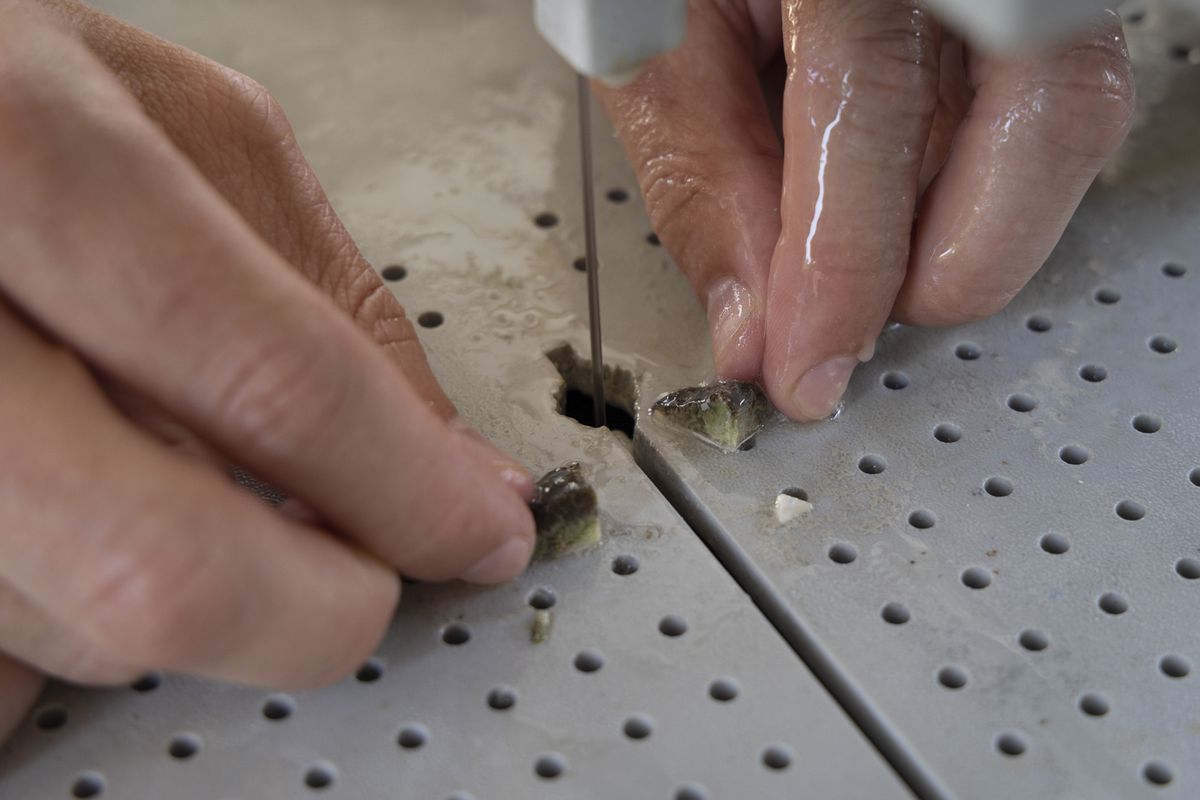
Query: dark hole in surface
x,y
456,634
617,195
370,671
796,492
921,519
183,747
1093,373
895,380
574,396
968,351
777,757
278,707
1011,744
1163,344
87,786
147,683
1181,52
502,698
625,564
430,319
51,718
1108,296
578,406
895,613
580,264
412,736
723,689
638,726
318,776
1093,705
1157,773
952,677
546,219
550,766
543,598
652,239
394,272
1039,324
1174,270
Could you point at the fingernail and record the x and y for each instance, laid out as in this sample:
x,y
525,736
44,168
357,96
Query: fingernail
x,y
731,308
818,391
502,564
509,470
867,352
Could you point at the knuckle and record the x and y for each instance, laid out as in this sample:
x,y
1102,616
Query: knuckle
x,y
257,113
373,307
674,189
277,399
152,605
1090,90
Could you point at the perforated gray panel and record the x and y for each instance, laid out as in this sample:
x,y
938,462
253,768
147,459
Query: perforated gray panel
x,y
437,129
1040,570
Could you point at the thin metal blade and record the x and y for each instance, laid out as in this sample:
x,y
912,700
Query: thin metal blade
x,y
593,266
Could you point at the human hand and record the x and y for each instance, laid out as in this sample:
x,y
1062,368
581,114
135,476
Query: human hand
x,y
175,291
802,252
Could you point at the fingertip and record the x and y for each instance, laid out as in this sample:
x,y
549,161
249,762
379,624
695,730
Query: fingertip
x,y
816,392
512,473
502,564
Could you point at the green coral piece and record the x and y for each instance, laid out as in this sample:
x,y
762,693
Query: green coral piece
x,y
726,414
565,510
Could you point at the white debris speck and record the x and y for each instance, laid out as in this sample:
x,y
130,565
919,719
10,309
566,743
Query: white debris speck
x,y
787,508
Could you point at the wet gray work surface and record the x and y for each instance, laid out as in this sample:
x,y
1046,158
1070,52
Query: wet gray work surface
x,y
438,131
1001,569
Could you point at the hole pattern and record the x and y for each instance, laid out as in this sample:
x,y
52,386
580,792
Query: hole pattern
x,y
1011,744
1172,270
1034,640
1093,705
278,707
922,519
147,683
589,660
50,718
88,784
542,598
502,698
947,432
456,634
872,464
1131,510
394,272
1157,773
1022,402
1113,603
895,613
1055,544
1162,344
976,578
1093,373
1038,323
638,726
625,564
843,553
370,671
777,757
998,486
672,625
412,736
550,766
1146,423
430,319
723,689
952,677
320,775
184,746
895,380
968,351
1107,296
1174,666
1074,454
1188,568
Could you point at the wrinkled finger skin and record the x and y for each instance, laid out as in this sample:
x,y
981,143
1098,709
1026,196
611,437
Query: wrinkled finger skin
x,y
176,294
918,180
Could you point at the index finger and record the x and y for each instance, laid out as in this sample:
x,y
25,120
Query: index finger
x,y
859,101
157,280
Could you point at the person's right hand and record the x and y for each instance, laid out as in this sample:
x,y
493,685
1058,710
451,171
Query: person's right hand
x,y
172,274
917,178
